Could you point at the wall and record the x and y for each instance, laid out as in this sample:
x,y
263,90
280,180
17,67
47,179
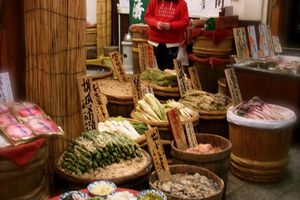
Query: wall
x,y
91,9
252,10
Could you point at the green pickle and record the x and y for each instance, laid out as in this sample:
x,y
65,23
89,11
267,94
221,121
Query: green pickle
x,y
151,196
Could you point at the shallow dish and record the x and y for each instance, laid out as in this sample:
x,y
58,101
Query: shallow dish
x,y
67,195
124,195
101,188
155,194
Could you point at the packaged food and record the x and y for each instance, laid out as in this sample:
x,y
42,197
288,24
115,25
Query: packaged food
x,y
3,108
7,119
26,109
18,132
43,125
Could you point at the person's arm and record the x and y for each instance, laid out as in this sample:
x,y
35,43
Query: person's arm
x,y
149,15
183,22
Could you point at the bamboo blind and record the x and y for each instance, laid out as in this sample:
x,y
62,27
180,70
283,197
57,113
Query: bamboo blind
x,y
103,25
55,56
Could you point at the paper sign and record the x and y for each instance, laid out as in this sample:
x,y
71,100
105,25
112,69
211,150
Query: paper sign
x,y
177,130
181,78
270,41
277,45
190,133
118,66
147,89
263,41
136,89
241,43
252,41
158,154
146,57
5,88
196,84
101,108
233,85
87,103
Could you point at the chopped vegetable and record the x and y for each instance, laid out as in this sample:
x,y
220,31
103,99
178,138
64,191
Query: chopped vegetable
x,y
158,77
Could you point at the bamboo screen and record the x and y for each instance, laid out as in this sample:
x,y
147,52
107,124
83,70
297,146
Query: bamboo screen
x,y
55,56
103,25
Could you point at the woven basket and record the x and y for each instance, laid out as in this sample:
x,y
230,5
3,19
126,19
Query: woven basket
x,y
176,169
99,71
91,36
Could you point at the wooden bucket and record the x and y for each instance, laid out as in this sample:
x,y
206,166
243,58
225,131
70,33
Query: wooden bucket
x,y
97,71
176,169
119,107
222,86
91,36
218,163
24,182
213,124
259,155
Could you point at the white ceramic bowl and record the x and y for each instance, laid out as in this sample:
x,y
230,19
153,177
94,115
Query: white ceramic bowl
x,y
101,188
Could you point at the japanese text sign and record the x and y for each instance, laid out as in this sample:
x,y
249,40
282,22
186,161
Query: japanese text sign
x,y
233,85
118,65
101,109
196,84
136,88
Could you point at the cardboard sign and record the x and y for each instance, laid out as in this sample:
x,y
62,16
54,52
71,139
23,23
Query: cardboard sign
x,y
191,136
181,78
233,85
277,45
241,43
146,57
263,41
88,109
177,130
118,66
252,41
5,88
196,83
158,154
101,108
136,88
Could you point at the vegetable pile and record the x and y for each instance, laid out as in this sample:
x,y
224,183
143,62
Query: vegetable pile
x,y
96,149
205,101
158,77
255,108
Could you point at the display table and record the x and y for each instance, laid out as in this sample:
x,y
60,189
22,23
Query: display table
x,y
134,192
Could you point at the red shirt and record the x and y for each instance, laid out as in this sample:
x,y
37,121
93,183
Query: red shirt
x,y
176,13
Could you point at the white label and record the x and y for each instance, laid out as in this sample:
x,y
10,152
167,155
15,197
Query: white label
x,y
5,88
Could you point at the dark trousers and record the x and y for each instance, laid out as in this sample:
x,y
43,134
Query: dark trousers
x,y
164,56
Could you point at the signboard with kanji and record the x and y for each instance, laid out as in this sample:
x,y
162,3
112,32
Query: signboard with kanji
x,y
137,11
233,85
5,88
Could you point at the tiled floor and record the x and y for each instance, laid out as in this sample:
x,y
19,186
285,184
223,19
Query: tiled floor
x,y
286,189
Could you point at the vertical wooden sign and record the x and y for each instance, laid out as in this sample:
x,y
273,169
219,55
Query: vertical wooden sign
x,y
177,130
142,57
118,66
146,57
270,41
136,88
190,133
88,109
6,94
101,109
181,78
277,45
263,41
158,154
196,83
240,39
233,85
147,89
252,41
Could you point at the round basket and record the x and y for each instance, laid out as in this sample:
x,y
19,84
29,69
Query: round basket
x,y
97,71
176,169
77,180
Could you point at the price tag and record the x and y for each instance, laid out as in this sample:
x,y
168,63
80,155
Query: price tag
x,y
118,66
252,41
184,86
277,45
177,130
190,133
233,85
241,42
146,57
263,41
136,88
196,84
101,108
88,109
158,154
5,88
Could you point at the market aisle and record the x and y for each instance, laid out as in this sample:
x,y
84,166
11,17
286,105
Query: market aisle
x,y
286,189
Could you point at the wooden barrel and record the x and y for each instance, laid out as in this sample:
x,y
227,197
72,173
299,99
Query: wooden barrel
x,y
182,169
119,107
24,182
213,124
259,155
218,163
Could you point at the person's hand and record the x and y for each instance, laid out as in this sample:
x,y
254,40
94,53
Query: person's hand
x,y
166,26
160,25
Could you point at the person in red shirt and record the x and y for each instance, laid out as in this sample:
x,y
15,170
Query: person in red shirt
x,y
167,20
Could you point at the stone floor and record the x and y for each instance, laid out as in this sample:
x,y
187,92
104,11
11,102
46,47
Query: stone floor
x,y
286,189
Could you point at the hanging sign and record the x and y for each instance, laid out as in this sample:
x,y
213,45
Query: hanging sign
x,y
233,86
177,130
183,85
263,41
190,133
136,88
241,43
158,154
5,88
101,109
277,45
196,84
137,11
252,41
88,109
146,57
118,66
